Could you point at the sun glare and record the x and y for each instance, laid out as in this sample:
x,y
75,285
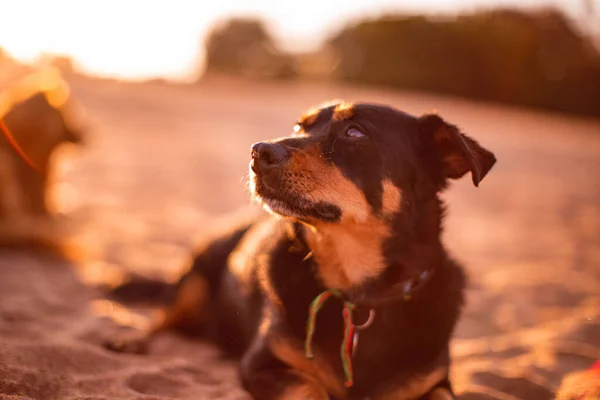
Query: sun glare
x,y
130,39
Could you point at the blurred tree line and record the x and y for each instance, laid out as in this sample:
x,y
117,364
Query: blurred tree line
x,y
244,46
536,58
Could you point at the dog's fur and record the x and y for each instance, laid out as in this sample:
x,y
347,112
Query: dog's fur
x,y
40,114
360,214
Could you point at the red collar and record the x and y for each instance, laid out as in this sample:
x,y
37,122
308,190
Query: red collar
x,y
11,139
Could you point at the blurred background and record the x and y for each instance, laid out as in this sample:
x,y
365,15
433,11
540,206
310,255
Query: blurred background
x,y
529,52
176,92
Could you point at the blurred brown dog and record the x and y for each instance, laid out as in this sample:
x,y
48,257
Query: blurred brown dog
x,y
37,114
353,250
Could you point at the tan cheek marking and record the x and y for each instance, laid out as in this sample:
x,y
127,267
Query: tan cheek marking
x,y
316,368
391,198
343,193
321,182
417,387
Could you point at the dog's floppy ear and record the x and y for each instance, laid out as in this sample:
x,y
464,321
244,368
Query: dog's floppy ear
x,y
457,152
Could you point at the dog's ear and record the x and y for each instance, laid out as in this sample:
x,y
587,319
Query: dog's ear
x,y
457,152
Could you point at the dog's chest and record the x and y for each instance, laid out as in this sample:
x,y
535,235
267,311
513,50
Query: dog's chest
x,y
297,287
382,349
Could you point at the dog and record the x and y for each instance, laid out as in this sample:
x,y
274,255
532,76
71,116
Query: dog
x,y
37,115
343,290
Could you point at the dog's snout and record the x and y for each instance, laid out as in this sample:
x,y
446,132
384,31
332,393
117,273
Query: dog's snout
x,y
268,154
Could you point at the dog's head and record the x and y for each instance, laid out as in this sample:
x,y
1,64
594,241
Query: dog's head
x,y
354,162
65,117
42,113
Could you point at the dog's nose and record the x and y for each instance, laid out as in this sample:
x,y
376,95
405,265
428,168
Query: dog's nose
x,y
268,154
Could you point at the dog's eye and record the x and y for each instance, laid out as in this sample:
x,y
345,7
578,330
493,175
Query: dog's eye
x,y
354,133
297,127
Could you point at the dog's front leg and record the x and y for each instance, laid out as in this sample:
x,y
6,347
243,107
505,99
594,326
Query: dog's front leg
x,y
266,377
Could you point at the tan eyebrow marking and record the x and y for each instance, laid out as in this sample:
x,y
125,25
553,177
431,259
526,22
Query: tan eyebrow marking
x,y
343,111
309,118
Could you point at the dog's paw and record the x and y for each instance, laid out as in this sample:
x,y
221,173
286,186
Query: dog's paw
x,y
135,342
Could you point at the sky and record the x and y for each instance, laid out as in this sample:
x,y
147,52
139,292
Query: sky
x,y
140,39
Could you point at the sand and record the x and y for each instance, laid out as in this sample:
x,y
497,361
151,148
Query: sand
x,y
164,162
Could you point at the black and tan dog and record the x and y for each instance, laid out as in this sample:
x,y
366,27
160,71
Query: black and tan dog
x,y
37,115
357,217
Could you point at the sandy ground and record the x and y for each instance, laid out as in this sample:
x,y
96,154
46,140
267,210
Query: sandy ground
x,y
163,163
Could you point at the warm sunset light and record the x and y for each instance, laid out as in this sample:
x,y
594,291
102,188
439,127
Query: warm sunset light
x,y
141,39
293,199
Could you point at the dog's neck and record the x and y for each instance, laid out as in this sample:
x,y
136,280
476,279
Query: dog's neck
x,y
348,253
